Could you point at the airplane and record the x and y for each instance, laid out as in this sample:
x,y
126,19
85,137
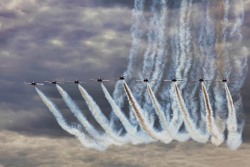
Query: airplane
x,y
52,82
202,80
33,83
121,78
173,80
99,80
76,81
223,80
145,80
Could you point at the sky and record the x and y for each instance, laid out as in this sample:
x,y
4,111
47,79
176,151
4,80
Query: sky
x,y
80,39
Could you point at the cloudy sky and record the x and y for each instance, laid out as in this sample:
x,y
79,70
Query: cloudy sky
x,y
79,39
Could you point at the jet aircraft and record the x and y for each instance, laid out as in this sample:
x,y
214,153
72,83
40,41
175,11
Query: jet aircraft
x,y
223,80
145,80
99,80
33,83
52,82
76,81
174,80
121,78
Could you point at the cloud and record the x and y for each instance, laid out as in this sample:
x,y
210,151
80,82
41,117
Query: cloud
x,y
21,150
48,40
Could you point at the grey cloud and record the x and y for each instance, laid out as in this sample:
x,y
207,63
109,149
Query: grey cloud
x,y
21,150
45,44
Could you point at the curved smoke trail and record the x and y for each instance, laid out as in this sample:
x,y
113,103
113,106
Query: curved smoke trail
x,y
136,33
217,136
234,139
142,121
85,141
149,60
81,118
100,117
152,56
214,51
159,112
189,124
161,57
177,120
183,60
239,60
135,137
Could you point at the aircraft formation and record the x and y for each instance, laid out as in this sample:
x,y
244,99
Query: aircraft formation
x,y
199,48
170,127
54,82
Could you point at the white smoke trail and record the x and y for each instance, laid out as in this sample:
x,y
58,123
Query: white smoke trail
x,y
234,139
142,121
185,40
206,66
82,119
232,120
217,137
136,33
177,119
100,117
155,36
138,17
183,62
207,38
159,112
85,141
239,62
161,58
135,137
149,57
161,54
189,124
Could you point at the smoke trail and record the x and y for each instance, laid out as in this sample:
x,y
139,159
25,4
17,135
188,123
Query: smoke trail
x,y
232,121
239,62
189,124
183,60
185,40
139,115
223,66
85,141
159,112
150,52
135,137
136,33
150,55
206,42
156,38
137,15
160,59
234,139
82,119
100,117
175,51
217,137
177,120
